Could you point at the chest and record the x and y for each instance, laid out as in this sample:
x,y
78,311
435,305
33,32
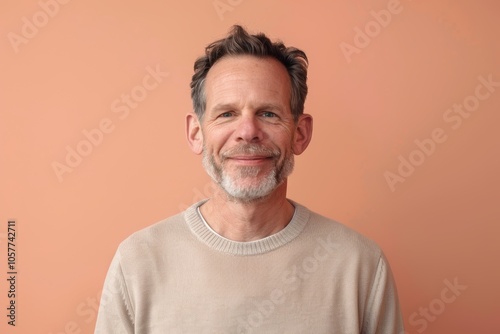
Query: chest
x,y
296,294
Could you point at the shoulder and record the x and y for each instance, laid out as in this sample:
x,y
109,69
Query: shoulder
x,y
153,238
339,237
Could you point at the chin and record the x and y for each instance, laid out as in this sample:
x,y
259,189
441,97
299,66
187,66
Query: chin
x,y
247,193
247,198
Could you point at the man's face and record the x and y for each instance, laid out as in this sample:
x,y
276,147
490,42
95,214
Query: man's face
x,y
248,127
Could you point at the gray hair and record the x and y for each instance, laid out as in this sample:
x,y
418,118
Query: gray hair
x,y
239,42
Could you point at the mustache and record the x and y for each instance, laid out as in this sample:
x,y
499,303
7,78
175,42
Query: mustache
x,y
251,149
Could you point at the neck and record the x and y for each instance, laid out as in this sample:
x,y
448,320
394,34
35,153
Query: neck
x,y
248,221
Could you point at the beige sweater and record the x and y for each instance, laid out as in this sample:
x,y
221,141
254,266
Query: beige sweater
x,y
314,276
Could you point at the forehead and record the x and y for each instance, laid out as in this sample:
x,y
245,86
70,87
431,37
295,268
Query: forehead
x,y
247,79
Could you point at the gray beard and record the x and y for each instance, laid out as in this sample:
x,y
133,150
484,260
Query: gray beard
x,y
248,193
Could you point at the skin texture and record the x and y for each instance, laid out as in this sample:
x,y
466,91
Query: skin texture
x,y
248,134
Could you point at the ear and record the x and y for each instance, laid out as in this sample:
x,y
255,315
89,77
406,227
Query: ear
x,y
193,133
303,133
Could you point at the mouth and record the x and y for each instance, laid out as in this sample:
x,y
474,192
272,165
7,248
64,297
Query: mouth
x,y
249,160
249,155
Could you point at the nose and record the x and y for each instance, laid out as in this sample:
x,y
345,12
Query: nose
x,y
249,129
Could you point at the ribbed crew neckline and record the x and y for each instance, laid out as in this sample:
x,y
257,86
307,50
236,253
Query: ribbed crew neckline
x,y
212,239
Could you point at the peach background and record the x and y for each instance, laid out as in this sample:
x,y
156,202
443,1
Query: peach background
x,y
441,223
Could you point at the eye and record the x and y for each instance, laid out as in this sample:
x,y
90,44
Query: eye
x,y
268,114
226,114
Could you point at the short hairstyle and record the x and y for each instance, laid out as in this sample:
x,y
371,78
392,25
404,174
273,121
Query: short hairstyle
x,y
240,42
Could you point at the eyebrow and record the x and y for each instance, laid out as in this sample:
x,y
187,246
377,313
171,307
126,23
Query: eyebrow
x,y
231,106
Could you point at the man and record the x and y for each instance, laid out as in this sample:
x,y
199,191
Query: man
x,y
249,260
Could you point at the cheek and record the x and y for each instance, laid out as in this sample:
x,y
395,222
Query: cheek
x,y
284,139
214,143
222,137
210,135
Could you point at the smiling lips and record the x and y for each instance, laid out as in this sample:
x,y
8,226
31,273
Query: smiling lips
x,y
250,154
249,159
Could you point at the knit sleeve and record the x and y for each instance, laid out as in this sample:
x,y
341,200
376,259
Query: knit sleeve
x,y
115,314
382,312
